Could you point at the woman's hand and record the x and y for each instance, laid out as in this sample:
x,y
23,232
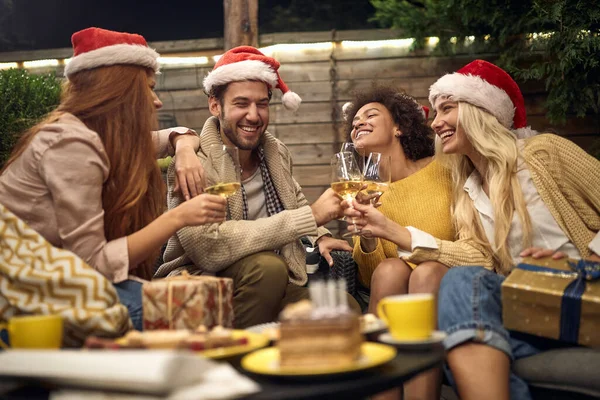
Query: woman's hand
x,y
327,244
367,218
593,257
189,178
201,210
366,199
539,252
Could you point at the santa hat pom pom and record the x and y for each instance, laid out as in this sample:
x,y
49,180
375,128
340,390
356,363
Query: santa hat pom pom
x,y
346,109
525,132
291,101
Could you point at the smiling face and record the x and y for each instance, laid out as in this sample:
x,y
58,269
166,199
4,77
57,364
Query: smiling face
x,y
373,128
445,125
243,113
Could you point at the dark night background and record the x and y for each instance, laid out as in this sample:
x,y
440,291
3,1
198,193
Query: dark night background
x,y
41,24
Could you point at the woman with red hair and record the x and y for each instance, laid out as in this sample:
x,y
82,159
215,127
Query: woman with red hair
x,y
86,177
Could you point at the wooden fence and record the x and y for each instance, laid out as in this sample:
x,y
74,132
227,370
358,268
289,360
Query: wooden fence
x,y
324,76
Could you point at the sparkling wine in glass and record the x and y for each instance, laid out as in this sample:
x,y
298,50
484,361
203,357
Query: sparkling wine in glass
x,y
223,172
377,175
346,180
223,189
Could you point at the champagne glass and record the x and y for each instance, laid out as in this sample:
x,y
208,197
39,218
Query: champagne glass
x,y
222,171
358,153
346,180
377,175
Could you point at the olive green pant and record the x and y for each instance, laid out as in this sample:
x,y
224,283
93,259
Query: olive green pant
x,y
261,289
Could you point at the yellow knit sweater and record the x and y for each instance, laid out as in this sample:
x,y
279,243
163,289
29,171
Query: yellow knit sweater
x,y
421,200
568,181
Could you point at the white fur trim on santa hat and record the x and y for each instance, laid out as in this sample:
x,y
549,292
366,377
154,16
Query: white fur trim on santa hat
x,y
291,101
246,70
112,55
523,133
474,90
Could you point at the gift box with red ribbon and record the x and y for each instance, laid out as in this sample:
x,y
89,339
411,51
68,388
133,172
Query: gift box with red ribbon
x,y
186,302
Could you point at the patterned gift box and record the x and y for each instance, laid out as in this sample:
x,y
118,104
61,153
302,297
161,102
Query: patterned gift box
x,y
185,302
557,299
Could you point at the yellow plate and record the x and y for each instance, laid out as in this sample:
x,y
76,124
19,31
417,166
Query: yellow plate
x,y
255,341
266,362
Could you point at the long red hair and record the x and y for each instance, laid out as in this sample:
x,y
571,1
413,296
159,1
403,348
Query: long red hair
x,y
117,104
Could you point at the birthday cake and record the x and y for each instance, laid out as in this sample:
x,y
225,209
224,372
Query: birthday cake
x,y
319,333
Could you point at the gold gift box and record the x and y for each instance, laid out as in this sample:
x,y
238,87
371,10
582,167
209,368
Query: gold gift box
x,y
186,302
532,301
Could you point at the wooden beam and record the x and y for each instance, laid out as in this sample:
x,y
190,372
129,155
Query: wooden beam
x,y
241,23
184,46
327,36
32,55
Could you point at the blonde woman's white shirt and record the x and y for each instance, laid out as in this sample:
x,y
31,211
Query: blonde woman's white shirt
x,y
546,233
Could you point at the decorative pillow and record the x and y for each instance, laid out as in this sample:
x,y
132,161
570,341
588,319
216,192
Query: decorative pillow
x,y
38,278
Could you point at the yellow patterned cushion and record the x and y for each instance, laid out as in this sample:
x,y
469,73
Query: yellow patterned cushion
x,y
38,278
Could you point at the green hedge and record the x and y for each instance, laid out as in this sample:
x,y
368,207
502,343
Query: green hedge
x,y
24,99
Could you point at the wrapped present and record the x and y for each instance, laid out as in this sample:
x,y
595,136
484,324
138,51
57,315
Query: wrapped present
x,y
186,302
557,299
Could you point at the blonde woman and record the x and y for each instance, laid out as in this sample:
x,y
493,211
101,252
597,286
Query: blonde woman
x,y
539,196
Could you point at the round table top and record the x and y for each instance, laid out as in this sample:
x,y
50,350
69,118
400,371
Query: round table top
x,y
358,384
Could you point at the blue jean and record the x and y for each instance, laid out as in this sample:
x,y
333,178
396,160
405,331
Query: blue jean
x,y
130,295
470,309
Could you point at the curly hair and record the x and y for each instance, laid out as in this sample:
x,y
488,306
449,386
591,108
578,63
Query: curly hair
x,y
417,139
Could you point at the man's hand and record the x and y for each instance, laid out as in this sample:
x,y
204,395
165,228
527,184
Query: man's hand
x,y
189,178
327,244
327,207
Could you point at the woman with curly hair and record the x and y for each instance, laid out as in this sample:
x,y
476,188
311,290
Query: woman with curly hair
x,y
515,194
390,122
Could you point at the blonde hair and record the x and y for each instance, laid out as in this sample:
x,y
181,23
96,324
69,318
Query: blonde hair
x,y
117,104
498,146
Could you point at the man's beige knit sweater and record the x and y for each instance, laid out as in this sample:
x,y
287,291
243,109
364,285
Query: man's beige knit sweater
x,y
194,249
567,180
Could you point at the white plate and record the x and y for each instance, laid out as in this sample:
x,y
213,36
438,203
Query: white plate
x,y
374,326
148,371
435,338
261,328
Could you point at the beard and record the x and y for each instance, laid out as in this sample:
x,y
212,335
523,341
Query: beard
x,y
230,131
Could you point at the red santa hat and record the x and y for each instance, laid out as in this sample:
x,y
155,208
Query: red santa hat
x,y
96,47
246,63
488,86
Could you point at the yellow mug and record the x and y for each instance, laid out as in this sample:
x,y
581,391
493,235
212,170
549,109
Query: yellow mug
x,y
34,332
409,317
